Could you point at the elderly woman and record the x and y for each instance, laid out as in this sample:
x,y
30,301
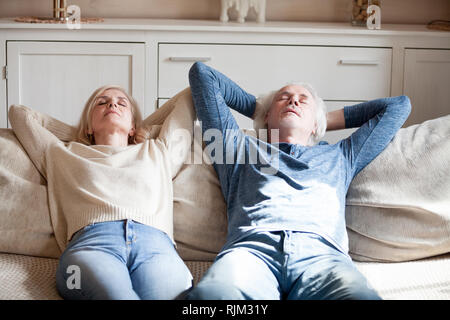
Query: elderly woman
x,y
110,196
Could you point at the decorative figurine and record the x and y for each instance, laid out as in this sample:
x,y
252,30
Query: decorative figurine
x,y
243,6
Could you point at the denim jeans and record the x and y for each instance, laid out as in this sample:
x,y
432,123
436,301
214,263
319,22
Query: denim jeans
x,y
282,265
121,260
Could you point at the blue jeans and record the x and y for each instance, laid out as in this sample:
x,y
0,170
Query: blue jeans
x,y
282,265
121,260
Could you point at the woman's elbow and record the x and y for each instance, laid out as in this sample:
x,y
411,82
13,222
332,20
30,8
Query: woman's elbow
x,y
405,104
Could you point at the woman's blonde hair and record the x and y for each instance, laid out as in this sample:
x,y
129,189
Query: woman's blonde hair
x,y
85,125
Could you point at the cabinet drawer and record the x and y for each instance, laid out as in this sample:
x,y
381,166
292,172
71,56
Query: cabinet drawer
x,y
337,73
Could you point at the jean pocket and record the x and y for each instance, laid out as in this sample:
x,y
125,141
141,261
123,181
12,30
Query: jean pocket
x,y
78,233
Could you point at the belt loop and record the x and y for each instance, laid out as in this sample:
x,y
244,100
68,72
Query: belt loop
x,y
287,241
128,231
284,237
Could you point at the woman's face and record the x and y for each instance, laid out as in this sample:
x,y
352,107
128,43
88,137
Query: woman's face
x,y
112,114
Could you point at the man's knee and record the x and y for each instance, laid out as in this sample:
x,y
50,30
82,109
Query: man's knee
x,y
215,290
334,280
357,287
349,284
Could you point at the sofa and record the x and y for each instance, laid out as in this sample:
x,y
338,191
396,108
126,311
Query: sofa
x,y
397,213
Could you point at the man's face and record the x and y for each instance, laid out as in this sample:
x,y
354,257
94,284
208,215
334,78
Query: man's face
x,y
293,107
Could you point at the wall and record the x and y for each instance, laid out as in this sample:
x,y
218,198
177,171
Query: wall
x,y
393,11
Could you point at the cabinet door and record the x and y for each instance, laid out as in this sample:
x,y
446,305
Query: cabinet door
x,y
426,82
57,78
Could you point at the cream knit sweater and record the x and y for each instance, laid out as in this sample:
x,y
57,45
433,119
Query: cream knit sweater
x,y
88,184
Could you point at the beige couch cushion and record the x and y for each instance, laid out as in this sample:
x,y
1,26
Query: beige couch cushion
x,y
24,214
200,221
31,278
398,207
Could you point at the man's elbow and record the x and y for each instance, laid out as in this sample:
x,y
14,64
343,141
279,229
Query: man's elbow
x,y
406,104
403,103
196,70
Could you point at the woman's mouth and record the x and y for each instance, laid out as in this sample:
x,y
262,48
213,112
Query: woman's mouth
x,y
111,111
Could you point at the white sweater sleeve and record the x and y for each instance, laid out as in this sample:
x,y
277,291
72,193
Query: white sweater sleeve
x,y
177,130
29,127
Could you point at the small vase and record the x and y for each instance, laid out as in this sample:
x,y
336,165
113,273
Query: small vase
x,y
359,11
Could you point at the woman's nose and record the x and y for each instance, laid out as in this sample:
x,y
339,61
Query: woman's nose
x,y
112,105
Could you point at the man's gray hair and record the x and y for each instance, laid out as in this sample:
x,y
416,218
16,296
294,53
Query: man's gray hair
x,y
264,102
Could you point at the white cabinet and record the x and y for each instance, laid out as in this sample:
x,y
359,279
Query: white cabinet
x,y
54,70
337,73
427,83
57,78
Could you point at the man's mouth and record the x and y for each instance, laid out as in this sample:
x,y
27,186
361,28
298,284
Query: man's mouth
x,y
292,110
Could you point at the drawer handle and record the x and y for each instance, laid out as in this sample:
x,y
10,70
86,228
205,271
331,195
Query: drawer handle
x,y
359,62
189,59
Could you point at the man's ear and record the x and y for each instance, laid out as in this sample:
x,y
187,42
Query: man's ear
x,y
315,128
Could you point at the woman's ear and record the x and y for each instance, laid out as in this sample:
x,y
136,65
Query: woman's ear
x,y
132,132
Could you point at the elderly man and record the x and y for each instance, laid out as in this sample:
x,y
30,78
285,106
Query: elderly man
x,y
286,227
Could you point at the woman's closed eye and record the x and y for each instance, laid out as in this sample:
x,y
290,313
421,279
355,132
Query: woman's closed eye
x,y
121,103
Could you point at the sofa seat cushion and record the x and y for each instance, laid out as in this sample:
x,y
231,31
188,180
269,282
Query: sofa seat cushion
x,y
33,278
27,278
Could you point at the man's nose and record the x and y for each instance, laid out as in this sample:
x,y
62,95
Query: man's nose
x,y
294,101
